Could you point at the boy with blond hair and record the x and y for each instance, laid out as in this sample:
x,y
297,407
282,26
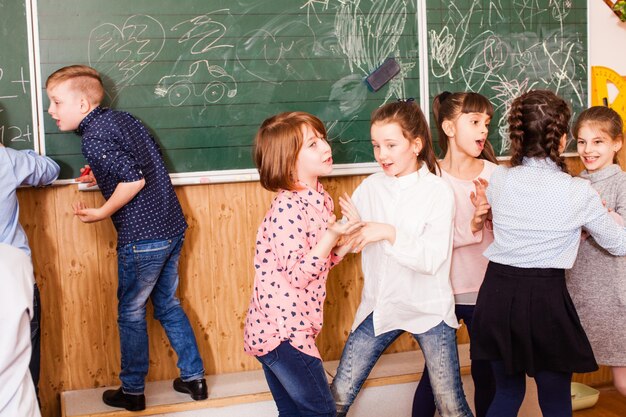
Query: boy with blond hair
x,y
140,199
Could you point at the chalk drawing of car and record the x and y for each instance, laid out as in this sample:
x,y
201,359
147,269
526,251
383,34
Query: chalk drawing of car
x,y
210,82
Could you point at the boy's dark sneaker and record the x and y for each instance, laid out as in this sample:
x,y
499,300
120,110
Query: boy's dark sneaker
x,y
196,388
117,398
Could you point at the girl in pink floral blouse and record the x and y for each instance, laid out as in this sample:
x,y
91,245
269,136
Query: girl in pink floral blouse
x,y
297,243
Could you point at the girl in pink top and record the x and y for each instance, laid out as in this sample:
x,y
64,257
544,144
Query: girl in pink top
x,y
297,243
462,121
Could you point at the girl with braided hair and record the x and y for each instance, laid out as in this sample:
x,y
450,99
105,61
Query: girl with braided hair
x,y
525,322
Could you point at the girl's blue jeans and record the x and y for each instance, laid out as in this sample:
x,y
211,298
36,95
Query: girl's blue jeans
x,y
438,345
298,383
149,270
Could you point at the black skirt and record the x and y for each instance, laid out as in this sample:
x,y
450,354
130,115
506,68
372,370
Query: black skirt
x,y
526,318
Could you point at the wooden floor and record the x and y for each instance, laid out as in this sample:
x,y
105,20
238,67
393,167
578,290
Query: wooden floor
x,y
610,404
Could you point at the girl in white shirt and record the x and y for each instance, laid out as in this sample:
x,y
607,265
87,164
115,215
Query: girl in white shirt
x,y
462,121
406,242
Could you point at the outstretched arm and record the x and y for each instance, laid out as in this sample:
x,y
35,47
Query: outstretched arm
x,y
31,168
123,194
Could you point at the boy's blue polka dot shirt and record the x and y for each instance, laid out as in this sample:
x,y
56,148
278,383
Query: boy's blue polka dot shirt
x,y
119,148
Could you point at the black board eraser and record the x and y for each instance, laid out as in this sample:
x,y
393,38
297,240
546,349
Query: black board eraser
x,y
383,74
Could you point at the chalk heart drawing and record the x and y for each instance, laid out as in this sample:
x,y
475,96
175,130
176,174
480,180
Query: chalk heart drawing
x,y
122,53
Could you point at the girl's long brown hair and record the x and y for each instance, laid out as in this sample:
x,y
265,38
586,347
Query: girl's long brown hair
x,y
408,115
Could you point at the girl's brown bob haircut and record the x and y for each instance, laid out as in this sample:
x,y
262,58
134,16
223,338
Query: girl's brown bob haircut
x,y
276,147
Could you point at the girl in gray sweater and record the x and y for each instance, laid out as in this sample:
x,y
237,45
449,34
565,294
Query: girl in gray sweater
x,y
597,281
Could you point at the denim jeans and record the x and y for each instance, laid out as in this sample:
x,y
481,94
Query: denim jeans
x,y
149,269
482,375
438,345
298,383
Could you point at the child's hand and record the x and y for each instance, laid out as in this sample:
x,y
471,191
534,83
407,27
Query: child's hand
x,y
340,229
86,176
345,244
86,214
348,209
481,205
334,231
480,195
373,232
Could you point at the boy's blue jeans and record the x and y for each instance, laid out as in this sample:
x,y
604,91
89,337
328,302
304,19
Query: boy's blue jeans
x,y
298,383
438,345
149,269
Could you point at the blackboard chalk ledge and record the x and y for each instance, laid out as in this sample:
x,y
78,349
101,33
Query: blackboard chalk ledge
x,y
66,182
240,175
248,175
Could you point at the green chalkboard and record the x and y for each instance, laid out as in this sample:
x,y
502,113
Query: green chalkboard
x,y
203,75
16,124
502,48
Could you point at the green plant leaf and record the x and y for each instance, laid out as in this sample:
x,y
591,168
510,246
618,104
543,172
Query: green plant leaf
x,y
620,8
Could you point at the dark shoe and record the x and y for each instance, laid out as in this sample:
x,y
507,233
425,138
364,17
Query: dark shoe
x,y
196,388
117,398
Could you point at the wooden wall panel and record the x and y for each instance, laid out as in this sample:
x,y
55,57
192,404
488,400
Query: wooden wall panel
x,y
196,289
76,268
38,217
603,376
232,257
79,256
